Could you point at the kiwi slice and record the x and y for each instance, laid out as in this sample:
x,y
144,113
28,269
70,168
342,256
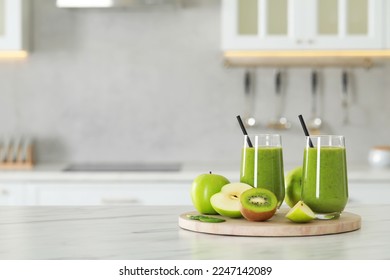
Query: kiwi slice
x,y
258,204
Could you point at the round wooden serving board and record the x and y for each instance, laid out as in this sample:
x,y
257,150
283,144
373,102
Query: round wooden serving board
x,y
278,225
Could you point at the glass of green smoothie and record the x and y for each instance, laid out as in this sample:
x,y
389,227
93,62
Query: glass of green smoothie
x,y
262,164
325,183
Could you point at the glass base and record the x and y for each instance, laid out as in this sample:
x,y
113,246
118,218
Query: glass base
x,y
328,216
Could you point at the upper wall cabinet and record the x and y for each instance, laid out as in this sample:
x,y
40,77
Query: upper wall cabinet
x,y
13,25
387,22
302,24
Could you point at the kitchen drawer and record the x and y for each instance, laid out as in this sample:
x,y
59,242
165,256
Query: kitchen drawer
x,y
112,194
12,194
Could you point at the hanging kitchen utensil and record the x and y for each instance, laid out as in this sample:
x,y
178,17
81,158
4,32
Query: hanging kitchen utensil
x,y
315,123
4,147
249,87
344,96
16,153
280,121
358,113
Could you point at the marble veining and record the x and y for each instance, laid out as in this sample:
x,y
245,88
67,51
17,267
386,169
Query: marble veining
x,y
152,232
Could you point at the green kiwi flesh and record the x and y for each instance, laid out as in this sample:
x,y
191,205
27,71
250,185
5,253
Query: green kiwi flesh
x,y
258,204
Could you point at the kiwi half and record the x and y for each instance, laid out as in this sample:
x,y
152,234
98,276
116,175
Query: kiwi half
x,y
258,204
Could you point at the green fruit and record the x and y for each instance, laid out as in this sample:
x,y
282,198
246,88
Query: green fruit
x,y
293,186
203,188
205,219
300,213
227,201
258,204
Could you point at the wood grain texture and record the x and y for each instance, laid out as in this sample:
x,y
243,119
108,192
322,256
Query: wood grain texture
x,y
278,225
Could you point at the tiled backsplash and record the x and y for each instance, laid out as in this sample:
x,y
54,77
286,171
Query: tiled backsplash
x,y
130,85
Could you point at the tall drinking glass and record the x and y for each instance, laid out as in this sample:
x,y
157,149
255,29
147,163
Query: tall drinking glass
x,y
262,164
325,183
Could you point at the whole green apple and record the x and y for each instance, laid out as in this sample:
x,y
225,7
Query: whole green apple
x,y
293,186
203,188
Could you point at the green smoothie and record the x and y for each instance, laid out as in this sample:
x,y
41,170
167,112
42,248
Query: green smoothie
x,y
325,189
270,173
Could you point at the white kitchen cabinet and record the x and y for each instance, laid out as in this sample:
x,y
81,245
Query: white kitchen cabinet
x,y
14,16
131,193
303,24
12,194
387,20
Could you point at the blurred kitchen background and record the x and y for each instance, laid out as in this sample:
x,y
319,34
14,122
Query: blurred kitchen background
x,y
150,84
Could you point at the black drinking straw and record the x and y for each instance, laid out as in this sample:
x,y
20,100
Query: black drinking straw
x,y
305,130
244,131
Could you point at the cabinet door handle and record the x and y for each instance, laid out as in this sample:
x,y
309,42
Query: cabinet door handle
x,y
310,41
299,41
111,201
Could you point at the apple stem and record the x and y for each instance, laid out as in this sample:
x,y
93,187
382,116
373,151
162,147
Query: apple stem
x,y
210,172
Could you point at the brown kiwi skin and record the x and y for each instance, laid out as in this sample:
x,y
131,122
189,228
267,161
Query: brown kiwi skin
x,y
256,216
259,214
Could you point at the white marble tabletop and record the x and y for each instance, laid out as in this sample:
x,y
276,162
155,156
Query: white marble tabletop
x,y
152,232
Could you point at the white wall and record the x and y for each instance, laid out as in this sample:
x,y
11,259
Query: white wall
x,y
127,85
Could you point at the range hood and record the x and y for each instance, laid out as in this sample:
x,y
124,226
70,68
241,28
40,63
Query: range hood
x,y
113,3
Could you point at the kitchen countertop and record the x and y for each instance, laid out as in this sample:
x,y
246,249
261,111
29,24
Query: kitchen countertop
x,y
55,172
140,232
